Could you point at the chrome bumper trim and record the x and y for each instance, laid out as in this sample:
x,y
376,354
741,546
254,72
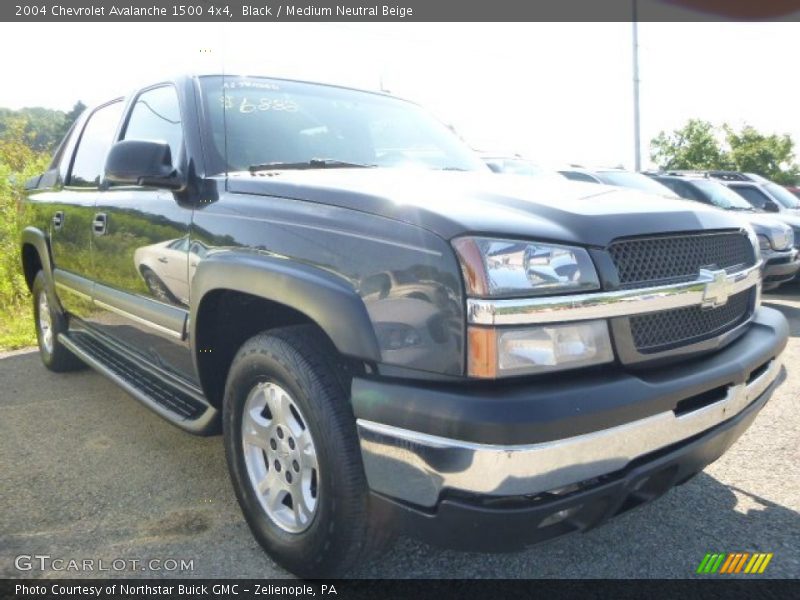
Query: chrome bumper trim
x,y
605,305
791,254
416,467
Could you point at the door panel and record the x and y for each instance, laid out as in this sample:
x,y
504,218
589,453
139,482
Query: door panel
x,y
141,249
139,302
60,215
72,247
72,210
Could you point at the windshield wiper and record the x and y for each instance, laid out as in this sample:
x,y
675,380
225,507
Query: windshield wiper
x,y
314,163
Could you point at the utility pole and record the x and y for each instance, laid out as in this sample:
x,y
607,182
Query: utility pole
x,y
637,156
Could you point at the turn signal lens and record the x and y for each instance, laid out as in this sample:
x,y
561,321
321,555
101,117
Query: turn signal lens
x,y
543,349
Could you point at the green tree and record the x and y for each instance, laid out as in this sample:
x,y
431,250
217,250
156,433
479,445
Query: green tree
x,y
27,138
701,145
695,146
771,156
18,162
16,151
44,128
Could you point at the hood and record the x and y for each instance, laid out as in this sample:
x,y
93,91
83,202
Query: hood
x,y
457,203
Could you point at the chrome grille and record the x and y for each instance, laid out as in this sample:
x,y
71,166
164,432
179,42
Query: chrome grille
x,y
665,330
643,262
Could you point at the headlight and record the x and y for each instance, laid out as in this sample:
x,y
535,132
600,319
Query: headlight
x,y
783,239
516,268
780,238
546,348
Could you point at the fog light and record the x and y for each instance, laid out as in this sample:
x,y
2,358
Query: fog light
x,y
505,352
394,336
559,516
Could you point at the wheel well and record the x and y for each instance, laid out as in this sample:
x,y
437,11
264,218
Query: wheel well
x,y
225,320
31,263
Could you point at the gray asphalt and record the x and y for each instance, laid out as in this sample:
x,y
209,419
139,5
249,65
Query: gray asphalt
x,y
89,473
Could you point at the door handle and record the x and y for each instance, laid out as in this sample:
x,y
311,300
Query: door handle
x,y
162,259
99,224
58,220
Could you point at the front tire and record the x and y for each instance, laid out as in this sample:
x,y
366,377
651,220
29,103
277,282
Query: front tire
x,y
50,322
158,288
293,454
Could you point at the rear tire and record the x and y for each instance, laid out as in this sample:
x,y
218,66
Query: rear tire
x,y
286,414
50,322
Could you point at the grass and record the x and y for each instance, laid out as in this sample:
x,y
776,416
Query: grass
x,y
16,328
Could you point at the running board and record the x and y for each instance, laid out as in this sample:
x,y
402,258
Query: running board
x,y
177,406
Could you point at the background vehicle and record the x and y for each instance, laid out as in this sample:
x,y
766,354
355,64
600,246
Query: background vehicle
x,y
618,177
769,197
516,165
759,191
381,326
781,262
762,198
164,266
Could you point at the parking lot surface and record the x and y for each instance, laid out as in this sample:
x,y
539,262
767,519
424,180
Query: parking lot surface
x,y
89,473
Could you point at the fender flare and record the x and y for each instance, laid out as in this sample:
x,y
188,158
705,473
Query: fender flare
x,y
326,299
36,238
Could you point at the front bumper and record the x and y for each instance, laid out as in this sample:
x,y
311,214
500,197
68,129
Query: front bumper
x,y
508,524
780,267
433,450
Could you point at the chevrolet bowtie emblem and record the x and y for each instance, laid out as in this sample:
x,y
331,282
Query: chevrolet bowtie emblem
x,y
717,290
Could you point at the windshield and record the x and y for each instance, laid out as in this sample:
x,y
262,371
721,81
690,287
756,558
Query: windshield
x,y
636,181
782,195
271,122
722,196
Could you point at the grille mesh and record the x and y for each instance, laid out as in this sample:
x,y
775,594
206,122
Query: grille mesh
x,y
673,259
665,330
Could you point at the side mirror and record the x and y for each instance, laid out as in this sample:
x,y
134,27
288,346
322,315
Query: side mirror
x,y
140,162
771,207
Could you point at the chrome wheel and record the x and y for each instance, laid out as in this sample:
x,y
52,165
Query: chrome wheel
x,y
280,457
45,323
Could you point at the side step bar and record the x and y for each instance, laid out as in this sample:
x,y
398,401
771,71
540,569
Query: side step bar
x,y
179,407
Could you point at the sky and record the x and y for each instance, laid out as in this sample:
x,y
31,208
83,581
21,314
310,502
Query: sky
x,y
558,93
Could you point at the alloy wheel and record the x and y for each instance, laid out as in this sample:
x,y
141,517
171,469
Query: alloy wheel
x,y
280,457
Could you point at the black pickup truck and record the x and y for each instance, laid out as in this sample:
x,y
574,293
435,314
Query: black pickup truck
x,y
390,337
